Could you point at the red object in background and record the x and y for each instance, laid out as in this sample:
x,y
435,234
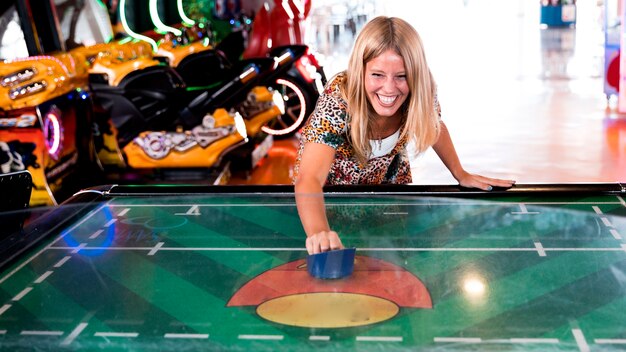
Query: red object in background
x,y
299,10
283,25
282,30
612,73
259,35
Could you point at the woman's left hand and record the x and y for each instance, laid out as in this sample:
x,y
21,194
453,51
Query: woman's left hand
x,y
482,182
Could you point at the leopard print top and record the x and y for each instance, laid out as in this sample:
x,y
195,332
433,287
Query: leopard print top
x,y
327,125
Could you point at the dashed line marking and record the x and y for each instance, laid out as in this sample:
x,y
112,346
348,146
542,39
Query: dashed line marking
x,y
41,332
123,212
597,210
96,234
524,210
621,200
611,341
2,332
396,213
4,308
22,294
62,261
74,334
260,337
110,222
615,234
43,277
116,334
319,338
186,336
624,247
156,248
533,340
458,339
379,338
583,346
606,222
540,249
194,210
80,246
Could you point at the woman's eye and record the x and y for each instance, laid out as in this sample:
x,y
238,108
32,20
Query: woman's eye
x,y
402,77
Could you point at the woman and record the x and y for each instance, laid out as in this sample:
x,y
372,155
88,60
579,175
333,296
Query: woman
x,y
364,121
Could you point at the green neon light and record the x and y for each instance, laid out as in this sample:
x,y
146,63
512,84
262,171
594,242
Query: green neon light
x,y
125,40
183,16
130,32
154,16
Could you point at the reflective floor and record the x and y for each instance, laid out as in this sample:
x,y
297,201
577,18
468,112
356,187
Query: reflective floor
x,y
521,101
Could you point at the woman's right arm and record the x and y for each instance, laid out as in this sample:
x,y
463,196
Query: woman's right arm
x,y
315,165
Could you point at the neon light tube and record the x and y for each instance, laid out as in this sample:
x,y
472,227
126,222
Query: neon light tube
x,y
130,31
154,15
183,16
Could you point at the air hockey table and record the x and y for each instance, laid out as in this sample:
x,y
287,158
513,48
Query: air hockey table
x,y
189,268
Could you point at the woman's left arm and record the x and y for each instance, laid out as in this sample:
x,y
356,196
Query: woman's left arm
x,y
446,152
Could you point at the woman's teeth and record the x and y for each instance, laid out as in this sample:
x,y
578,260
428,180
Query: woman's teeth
x,y
387,100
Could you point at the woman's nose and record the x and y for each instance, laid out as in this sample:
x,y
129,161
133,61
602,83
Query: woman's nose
x,y
390,84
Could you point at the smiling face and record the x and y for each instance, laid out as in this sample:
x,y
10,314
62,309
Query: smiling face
x,y
385,83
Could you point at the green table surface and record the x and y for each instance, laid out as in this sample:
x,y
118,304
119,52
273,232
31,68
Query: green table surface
x,y
226,272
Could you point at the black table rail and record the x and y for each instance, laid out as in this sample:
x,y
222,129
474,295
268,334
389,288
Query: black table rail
x,y
410,190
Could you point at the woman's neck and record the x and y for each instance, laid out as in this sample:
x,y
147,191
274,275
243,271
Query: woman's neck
x,y
384,127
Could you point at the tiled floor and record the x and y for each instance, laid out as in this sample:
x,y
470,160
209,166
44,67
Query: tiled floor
x,y
521,101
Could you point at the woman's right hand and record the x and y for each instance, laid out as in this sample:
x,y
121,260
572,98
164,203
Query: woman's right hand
x,y
323,241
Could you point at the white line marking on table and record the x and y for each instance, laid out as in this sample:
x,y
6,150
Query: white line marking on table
x,y
2,332
621,200
96,234
186,336
396,213
524,210
319,338
7,276
260,337
580,340
123,212
77,249
23,264
74,334
116,334
43,277
110,222
156,248
62,261
194,211
533,340
611,341
41,332
606,222
22,294
624,247
615,234
379,338
540,250
597,210
239,249
458,339
377,204
4,308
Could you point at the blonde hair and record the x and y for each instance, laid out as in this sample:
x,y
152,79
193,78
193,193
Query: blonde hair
x,y
421,120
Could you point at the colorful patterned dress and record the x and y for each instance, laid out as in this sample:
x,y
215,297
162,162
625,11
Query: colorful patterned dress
x,y
327,125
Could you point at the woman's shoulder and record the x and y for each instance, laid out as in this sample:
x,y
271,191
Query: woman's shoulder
x,y
335,84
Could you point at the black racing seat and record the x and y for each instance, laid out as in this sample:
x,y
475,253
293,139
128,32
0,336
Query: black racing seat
x,y
205,68
145,99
